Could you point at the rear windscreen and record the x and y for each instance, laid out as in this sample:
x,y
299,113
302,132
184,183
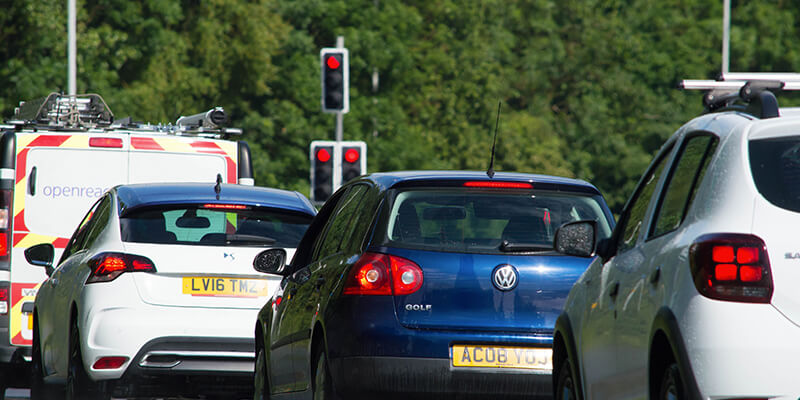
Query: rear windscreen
x,y
775,164
198,225
479,221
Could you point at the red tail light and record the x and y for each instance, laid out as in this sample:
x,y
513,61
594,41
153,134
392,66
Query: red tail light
x,y
732,267
5,224
3,300
109,362
108,266
382,274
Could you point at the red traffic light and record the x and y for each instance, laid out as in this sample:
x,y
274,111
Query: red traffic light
x,y
351,155
332,62
323,155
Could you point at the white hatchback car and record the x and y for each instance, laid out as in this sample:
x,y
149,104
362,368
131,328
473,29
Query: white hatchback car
x,y
155,294
696,294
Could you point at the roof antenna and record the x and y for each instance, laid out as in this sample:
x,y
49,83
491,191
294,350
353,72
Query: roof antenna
x,y
218,186
490,171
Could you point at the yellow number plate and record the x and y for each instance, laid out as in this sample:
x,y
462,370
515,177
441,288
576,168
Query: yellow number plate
x,y
227,287
501,357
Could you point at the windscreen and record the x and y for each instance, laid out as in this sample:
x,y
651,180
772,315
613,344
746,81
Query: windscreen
x,y
775,164
213,226
479,221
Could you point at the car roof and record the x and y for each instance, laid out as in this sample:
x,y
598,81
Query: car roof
x,y
142,195
387,180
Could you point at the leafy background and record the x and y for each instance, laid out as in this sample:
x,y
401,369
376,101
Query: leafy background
x,y
587,86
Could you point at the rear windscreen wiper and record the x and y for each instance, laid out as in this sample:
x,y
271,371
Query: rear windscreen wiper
x,y
507,246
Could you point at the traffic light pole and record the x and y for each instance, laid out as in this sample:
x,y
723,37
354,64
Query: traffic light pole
x,y
339,115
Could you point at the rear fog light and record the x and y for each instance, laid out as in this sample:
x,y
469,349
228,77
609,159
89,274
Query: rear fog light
x,y
109,362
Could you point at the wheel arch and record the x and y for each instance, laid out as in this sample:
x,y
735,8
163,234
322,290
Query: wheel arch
x,y
564,348
667,345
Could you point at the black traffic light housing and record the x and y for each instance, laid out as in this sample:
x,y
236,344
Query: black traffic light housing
x,y
352,162
335,80
321,172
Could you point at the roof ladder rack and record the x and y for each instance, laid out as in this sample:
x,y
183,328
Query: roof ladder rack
x,y
65,111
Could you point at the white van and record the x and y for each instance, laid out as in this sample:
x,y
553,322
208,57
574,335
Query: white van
x,y
59,154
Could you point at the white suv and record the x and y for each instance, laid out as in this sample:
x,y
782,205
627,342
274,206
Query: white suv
x,y
696,296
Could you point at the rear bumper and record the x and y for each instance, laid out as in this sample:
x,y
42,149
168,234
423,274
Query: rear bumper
x,y
189,366
400,377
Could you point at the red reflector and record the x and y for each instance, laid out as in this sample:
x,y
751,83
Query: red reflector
x,y
109,362
323,155
225,206
351,155
722,254
498,185
725,272
332,62
747,255
750,273
115,143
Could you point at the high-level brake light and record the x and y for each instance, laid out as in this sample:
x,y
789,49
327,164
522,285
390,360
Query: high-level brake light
x,y
498,185
732,267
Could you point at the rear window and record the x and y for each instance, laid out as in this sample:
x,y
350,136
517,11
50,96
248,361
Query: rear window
x,y
478,221
775,164
198,225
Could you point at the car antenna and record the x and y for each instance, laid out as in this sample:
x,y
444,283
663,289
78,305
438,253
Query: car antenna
x,y
218,186
490,171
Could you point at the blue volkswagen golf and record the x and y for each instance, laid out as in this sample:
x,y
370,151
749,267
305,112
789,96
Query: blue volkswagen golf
x,y
426,283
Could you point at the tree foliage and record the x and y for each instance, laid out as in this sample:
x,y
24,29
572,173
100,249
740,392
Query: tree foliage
x,y
587,86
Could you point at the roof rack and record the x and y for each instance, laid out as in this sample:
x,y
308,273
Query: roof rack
x,y
65,111
749,92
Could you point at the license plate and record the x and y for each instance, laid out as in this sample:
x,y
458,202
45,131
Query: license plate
x,y
225,287
487,356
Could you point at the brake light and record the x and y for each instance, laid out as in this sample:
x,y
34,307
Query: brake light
x,y
3,300
5,224
732,267
108,266
109,362
383,274
225,206
498,185
114,143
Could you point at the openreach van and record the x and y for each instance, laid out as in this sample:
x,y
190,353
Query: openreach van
x,y
59,154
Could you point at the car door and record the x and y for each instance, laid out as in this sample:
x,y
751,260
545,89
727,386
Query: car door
x,y
64,285
328,260
599,337
642,285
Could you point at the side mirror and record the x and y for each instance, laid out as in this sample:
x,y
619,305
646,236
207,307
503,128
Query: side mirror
x,y
41,255
271,261
577,238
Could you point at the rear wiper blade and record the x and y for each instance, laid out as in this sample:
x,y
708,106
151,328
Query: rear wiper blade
x,y
239,238
522,247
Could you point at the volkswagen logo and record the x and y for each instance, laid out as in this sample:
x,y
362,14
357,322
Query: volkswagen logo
x,y
505,277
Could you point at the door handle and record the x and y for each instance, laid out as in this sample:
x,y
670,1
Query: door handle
x,y
32,182
613,290
655,275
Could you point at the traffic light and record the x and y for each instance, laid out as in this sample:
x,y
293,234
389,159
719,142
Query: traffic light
x,y
354,160
335,80
321,171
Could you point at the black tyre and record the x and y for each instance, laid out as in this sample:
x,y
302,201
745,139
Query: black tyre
x,y
565,383
260,380
322,385
79,385
40,390
671,384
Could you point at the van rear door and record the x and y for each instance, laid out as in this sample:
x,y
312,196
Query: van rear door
x,y
181,159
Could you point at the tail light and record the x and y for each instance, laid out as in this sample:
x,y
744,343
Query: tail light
x,y
5,225
732,267
3,300
383,274
108,266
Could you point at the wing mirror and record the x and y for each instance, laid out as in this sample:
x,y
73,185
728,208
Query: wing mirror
x,y
270,261
41,255
577,238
